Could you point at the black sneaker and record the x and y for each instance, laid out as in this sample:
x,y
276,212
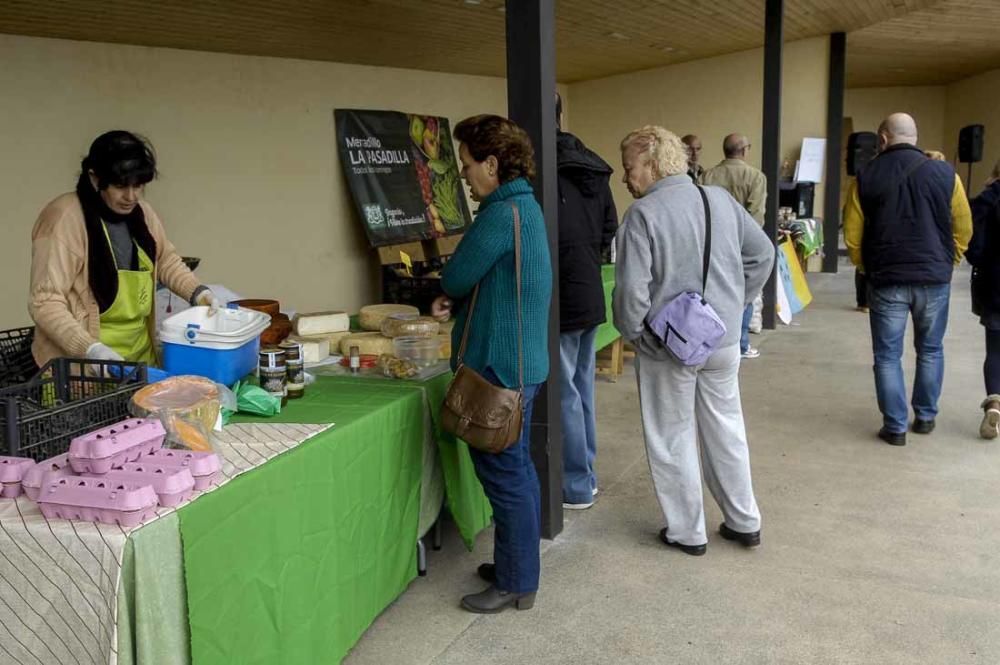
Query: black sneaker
x,y
892,438
923,426
744,539
693,550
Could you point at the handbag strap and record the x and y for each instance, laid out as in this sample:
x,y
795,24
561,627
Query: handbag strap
x,y
520,324
707,254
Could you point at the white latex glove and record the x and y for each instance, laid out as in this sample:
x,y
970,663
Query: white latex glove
x,y
209,299
98,351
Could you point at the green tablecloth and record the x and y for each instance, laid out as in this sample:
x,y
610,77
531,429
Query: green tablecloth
x,y
606,332
291,562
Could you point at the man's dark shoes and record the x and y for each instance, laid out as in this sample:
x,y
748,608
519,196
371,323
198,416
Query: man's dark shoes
x,y
693,550
744,539
923,426
892,438
488,572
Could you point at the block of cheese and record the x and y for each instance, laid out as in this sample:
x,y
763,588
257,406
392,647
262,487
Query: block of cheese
x,y
334,339
372,316
314,349
445,346
408,325
319,323
368,343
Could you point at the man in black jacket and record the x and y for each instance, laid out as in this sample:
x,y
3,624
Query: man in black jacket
x,y
587,225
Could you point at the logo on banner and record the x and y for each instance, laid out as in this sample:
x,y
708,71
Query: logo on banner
x,y
374,216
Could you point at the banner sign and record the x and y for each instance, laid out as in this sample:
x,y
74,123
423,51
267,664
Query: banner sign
x,y
403,175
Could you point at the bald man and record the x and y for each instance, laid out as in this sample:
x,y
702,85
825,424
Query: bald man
x,y
693,145
749,187
907,224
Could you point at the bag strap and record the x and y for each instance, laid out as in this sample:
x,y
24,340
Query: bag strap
x,y
520,324
707,255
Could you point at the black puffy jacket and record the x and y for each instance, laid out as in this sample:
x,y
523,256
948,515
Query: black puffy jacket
x,y
587,225
984,250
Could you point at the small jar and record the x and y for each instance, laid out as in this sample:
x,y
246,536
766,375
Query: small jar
x,y
296,379
274,381
293,351
271,357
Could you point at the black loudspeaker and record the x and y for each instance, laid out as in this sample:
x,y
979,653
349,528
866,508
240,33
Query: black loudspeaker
x,y
861,149
970,144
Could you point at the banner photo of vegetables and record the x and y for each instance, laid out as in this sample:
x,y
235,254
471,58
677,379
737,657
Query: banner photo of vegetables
x,y
403,174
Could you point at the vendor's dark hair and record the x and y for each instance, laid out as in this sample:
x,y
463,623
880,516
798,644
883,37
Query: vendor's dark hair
x,y
485,135
120,158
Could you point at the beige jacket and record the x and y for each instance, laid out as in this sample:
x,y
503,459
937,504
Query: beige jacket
x,y
60,301
747,185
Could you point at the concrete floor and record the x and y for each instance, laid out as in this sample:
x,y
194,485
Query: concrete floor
x,y
871,554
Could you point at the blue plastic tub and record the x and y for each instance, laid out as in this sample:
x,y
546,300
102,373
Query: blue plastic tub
x,y
223,348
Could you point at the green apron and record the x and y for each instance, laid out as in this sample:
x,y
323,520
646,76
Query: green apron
x,y
123,325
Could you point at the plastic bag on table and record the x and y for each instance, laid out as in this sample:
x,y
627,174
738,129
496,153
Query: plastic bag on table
x,y
188,407
255,400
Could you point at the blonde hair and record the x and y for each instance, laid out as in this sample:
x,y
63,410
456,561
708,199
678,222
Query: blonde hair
x,y
996,170
663,149
936,155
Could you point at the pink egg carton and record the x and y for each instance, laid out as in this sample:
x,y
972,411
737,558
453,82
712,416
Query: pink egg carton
x,y
52,468
127,441
97,500
173,486
12,470
205,467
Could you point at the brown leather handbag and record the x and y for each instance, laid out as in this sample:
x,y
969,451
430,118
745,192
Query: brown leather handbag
x,y
485,416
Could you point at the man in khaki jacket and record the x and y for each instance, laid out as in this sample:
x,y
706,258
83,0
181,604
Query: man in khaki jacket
x,y
749,187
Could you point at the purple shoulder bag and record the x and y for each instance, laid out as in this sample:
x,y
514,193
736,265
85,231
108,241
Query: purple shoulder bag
x,y
687,325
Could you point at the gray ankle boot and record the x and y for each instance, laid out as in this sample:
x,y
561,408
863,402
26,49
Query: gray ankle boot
x,y
492,600
990,427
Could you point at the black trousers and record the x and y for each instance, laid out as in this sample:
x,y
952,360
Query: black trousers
x,y
860,288
991,367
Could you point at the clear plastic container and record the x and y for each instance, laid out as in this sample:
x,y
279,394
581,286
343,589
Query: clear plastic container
x,y
409,325
421,351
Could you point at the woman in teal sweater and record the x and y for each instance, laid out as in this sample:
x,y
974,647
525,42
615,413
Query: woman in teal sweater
x,y
497,162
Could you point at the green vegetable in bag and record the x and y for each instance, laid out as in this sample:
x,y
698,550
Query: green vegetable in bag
x,y
255,400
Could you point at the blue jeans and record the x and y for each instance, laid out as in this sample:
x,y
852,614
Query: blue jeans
x,y
745,330
890,307
511,485
576,382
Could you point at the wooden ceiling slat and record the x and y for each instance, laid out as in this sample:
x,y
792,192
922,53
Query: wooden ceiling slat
x,y
930,40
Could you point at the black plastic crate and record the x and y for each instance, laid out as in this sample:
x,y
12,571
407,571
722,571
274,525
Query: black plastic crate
x,y
17,365
66,399
419,291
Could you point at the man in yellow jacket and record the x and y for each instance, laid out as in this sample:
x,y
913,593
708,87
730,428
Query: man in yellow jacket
x,y
907,224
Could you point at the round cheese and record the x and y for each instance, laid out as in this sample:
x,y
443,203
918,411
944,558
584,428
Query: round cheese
x,y
368,343
372,316
445,346
407,325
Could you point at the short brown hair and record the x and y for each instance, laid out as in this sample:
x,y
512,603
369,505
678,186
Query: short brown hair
x,y
485,135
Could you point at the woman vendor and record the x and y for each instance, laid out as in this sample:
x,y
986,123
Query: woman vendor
x,y
96,256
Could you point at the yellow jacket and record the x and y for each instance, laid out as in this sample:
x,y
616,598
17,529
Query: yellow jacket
x,y
854,222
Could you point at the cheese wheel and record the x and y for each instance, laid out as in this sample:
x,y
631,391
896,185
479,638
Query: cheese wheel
x,y
407,325
445,346
318,323
368,343
314,349
447,326
372,316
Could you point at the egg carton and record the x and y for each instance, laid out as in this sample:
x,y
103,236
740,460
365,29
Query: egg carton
x,y
12,470
52,468
205,467
97,500
173,486
110,447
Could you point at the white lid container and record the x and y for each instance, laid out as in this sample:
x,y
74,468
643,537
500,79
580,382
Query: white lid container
x,y
229,328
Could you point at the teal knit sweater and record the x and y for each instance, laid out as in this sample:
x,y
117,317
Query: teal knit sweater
x,y
486,256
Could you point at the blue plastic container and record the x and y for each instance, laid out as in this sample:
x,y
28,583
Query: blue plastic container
x,y
223,347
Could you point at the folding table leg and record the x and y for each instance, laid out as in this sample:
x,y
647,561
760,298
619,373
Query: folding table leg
x,y
421,558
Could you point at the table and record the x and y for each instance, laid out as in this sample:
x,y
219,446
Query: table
x,y
607,334
287,563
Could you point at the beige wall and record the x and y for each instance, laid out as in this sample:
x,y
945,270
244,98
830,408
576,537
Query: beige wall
x,y
976,100
710,98
867,107
250,182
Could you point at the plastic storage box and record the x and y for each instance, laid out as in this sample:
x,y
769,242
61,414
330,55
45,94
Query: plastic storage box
x,y
222,347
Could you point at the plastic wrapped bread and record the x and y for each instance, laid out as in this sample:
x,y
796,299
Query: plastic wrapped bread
x,y
188,407
409,325
320,323
372,316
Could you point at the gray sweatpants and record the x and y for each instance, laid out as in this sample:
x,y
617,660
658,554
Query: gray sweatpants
x,y
679,403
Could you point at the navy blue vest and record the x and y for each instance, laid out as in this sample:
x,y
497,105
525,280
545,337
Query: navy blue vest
x,y
906,201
